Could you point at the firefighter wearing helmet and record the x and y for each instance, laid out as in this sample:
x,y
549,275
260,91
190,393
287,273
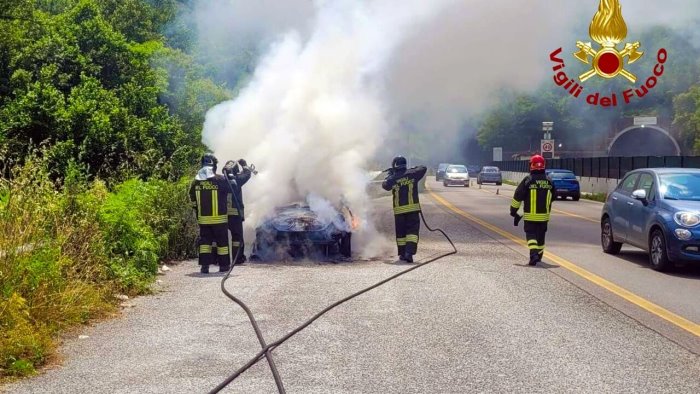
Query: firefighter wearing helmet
x,y
209,193
403,183
535,195
238,174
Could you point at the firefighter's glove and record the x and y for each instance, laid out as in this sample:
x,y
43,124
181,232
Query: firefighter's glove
x,y
516,220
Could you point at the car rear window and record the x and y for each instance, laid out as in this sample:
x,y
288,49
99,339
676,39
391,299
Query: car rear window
x,y
491,169
457,169
563,175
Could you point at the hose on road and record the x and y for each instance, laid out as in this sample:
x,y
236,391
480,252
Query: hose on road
x,y
266,351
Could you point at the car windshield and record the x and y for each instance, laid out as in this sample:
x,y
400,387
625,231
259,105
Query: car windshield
x,y
457,169
562,175
490,169
684,187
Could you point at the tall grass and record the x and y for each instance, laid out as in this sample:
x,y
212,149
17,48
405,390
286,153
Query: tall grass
x,y
66,248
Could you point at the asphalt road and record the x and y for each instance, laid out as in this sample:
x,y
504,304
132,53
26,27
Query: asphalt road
x,y
479,321
574,235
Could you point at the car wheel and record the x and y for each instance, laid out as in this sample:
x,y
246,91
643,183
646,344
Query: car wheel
x,y
346,246
576,197
658,255
499,183
444,184
607,239
467,184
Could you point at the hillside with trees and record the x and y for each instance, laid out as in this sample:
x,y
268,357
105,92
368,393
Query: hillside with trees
x,y
101,108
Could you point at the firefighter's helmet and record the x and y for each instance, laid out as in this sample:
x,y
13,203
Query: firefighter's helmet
x,y
209,160
399,163
537,163
230,168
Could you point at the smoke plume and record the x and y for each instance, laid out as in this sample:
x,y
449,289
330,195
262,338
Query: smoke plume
x,y
313,115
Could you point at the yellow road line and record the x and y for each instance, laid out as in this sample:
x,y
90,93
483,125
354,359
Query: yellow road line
x,y
649,306
573,215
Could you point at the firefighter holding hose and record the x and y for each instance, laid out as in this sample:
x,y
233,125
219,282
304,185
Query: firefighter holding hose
x,y
237,174
208,194
403,183
535,194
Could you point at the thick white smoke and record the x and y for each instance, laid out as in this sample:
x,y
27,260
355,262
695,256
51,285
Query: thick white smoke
x,y
313,117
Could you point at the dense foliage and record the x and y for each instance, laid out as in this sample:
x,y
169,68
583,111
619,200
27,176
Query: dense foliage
x,y
101,109
65,251
97,82
515,123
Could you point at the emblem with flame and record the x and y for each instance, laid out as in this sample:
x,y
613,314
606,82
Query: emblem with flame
x,y
608,29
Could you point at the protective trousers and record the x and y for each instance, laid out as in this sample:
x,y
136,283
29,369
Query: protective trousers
x,y
235,225
407,229
535,233
213,236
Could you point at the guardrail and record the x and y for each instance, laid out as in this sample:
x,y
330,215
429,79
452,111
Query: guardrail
x,y
606,167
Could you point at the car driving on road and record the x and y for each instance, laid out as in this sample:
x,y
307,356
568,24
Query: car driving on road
x,y
566,184
657,210
440,173
490,175
456,175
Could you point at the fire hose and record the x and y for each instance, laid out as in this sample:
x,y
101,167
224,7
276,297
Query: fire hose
x,y
267,349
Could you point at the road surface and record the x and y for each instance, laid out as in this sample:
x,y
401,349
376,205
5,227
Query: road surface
x,y
479,321
574,239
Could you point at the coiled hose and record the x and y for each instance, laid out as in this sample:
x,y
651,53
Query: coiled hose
x,y
266,351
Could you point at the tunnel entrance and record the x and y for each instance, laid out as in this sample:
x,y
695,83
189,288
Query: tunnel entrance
x,y
644,141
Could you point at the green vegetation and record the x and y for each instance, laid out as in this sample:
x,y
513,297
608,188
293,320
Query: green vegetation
x,y
101,109
66,250
600,197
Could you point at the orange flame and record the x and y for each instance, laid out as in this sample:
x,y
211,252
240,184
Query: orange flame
x,y
355,223
608,27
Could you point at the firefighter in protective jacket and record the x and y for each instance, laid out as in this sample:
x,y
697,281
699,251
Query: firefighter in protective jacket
x,y
208,194
535,194
237,174
403,184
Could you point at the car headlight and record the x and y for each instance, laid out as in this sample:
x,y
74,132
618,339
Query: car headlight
x,y
687,219
683,234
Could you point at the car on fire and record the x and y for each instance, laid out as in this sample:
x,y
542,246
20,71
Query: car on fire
x,y
657,210
297,231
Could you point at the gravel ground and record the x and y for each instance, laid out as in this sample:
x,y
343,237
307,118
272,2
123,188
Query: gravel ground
x,y
476,322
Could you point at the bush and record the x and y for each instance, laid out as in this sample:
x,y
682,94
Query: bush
x,y
67,247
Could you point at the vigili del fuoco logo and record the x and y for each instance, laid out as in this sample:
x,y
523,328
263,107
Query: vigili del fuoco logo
x,y
608,29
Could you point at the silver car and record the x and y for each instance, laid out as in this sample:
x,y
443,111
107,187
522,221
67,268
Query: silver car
x,y
456,175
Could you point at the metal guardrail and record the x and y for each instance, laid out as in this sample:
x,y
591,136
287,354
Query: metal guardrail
x,y
606,167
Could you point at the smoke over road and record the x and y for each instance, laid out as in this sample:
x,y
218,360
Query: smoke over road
x,y
313,116
341,78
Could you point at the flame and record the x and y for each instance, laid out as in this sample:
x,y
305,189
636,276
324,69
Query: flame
x,y
355,223
608,27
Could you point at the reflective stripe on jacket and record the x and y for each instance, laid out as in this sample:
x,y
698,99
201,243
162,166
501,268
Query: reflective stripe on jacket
x,y
209,197
404,189
535,194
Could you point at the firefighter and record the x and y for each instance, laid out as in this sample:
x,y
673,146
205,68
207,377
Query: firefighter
x,y
208,194
403,184
237,174
535,194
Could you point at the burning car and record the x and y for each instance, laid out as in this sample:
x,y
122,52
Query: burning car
x,y
298,231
